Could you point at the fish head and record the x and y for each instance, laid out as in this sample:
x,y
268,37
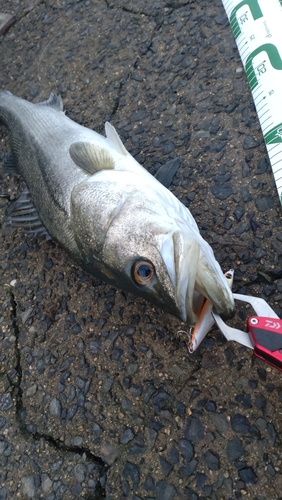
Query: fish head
x,y
132,237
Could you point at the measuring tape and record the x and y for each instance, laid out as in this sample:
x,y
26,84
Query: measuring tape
x,y
257,28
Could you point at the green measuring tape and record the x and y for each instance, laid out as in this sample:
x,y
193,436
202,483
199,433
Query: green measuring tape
x,y
257,28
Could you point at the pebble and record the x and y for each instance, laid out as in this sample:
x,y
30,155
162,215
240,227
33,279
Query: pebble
x,y
95,346
194,430
202,134
149,484
3,445
109,452
200,480
186,449
2,421
148,393
31,391
248,475
55,408
220,422
108,383
272,433
247,197
131,473
131,368
3,493
78,440
168,147
250,142
234,449
240,424
46,483
188,469
71,411
28,485
76,490
212,460
239,212
126,436
262,166
165,466
6,401
222,191
165,491
151,435
80,472
245,169
264,203
136,449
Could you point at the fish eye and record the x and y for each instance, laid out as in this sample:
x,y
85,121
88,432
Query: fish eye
x,y
142,272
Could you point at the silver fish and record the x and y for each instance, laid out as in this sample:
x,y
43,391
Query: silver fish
x,y
111,215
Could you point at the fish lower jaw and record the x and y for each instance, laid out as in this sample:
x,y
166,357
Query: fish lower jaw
x,y
225,315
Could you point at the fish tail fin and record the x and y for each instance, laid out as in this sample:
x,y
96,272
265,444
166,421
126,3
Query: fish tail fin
x,y
9,165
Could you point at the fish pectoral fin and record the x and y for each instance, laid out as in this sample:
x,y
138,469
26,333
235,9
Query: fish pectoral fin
x,y
9,166
54,101
22,213
167,171
91,158
114,139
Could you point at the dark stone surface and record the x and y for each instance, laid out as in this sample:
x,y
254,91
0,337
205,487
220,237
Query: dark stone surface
x,y
222,191
212,460
234,449
248,475
99,397
186,449
240,424
194,430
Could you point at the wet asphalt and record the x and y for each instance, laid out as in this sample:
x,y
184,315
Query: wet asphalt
x,y
99,397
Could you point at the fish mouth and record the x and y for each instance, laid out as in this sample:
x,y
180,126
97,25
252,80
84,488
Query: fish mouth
x,y
196,276
225,307
180,253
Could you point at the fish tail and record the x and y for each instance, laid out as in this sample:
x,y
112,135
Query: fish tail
x,y
5,96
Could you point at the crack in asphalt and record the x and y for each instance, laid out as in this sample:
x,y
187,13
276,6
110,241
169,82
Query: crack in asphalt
x,y
17,393
29,9
159,25
117,100
174,6
130,11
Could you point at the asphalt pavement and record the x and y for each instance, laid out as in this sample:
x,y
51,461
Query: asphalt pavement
x,y
99,396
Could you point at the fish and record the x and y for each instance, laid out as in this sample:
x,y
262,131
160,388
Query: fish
x,y
115,219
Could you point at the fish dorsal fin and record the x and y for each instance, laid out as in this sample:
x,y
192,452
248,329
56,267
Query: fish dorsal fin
x,y
114,139
91,158
167,171
55,101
